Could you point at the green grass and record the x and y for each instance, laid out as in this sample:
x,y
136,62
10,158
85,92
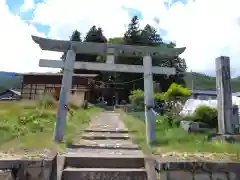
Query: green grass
x,y
29,126
174,140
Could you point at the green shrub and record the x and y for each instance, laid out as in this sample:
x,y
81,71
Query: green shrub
x,y
207,115
159,97
188,118
176,90
137,98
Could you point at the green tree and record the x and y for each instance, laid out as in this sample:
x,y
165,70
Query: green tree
x,y
147,36
133,35
76,36
96,35
93,35
178,63
150,37
116,40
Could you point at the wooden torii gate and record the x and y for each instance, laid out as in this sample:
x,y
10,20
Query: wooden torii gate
x,y
110,51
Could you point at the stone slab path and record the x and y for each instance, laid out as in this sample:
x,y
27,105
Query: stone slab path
x,y
105,151
109,123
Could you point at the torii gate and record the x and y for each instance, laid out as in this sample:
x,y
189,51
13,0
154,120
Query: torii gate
x,y
109,50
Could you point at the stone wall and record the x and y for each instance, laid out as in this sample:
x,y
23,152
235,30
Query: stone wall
x,y
28,169
190,170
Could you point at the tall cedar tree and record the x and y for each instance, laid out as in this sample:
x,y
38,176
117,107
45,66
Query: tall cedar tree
x,y
149,37
93,35
76,36
131,37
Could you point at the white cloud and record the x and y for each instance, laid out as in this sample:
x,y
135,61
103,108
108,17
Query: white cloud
x,y
27,5
208,28
18,52
67,15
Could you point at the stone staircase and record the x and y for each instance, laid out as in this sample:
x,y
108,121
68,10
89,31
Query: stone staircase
x,y
105,152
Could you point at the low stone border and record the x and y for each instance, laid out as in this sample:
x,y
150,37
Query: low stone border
x,y
189,170
28,168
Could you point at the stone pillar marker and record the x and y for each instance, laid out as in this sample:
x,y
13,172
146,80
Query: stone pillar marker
x,y
224,95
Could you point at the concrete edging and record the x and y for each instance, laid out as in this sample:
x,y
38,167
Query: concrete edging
x,y
184,170
28,168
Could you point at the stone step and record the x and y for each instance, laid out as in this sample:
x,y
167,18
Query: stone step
x,y
110,126
104,152
101,130
105,144
98,161
104,174
102,136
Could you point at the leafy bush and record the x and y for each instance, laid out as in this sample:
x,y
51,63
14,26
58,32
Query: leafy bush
x,y
137,98
176,90
174,97
165,100
189,118
207,115
159,97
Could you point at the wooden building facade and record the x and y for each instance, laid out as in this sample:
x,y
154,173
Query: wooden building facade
x,y
35,85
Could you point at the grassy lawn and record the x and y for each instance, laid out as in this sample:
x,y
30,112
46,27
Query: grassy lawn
x,y
175,142
27,126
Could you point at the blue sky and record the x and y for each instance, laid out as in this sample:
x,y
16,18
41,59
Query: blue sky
x,y
207,28
15,8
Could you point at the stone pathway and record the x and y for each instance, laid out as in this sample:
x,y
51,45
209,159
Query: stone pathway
x,y
105,152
